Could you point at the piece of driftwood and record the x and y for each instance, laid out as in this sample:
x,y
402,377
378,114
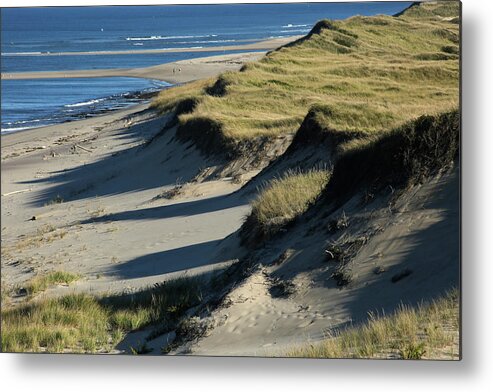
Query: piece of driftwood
x,y
15,192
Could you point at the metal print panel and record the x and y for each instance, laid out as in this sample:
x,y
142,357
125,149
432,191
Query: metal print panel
x,y
275,180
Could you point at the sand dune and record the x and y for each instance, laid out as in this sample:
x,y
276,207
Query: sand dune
x,y
88,197
421,238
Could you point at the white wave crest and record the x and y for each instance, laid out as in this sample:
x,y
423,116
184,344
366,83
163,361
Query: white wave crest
x,y
160,37
8,130
291,26
295,31
23,53
86,103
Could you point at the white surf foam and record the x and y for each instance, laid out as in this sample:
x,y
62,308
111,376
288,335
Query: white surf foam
x,y
161,37
291,26
86,103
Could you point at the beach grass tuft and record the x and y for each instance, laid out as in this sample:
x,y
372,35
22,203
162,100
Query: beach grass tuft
x,y
282,200
42,282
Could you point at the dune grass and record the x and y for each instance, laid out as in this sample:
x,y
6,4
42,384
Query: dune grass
x,y
289,196
86,323
374,73
42,282
76,323
429,331
283,199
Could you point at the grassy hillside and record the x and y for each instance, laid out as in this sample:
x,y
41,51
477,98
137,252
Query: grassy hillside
x,y
400,157
367,74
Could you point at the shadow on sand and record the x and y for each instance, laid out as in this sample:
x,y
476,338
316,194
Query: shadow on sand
x,y
188,208
169,261
142,167
431,254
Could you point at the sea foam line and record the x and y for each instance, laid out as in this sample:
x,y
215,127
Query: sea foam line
x,y
86,103
290,26
9,130
160,37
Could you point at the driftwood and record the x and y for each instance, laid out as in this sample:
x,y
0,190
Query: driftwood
x,y
15,192
82,148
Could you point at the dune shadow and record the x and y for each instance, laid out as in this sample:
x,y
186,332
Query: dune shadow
x,y
424,273
147,127
187,208
168,261
137,168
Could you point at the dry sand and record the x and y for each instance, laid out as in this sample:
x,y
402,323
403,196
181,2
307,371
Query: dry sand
x,y
420,235
109,227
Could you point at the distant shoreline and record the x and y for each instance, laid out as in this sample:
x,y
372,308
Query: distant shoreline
x,y
260,45
182,71
174,72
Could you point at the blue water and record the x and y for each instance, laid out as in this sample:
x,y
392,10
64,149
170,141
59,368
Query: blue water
x,y
68,99
35,31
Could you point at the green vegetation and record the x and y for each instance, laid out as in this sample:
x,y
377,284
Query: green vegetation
x,y
42,282
403,156
5,295
85,323
76,323
428,331
433,10
370,74
282,200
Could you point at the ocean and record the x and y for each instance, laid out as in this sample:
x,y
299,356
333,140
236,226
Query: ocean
x,y
29,33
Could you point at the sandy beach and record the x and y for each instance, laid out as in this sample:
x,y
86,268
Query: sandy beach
x,y
87,163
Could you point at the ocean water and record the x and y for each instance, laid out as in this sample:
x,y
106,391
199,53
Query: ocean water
x,y
69,99
29,33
